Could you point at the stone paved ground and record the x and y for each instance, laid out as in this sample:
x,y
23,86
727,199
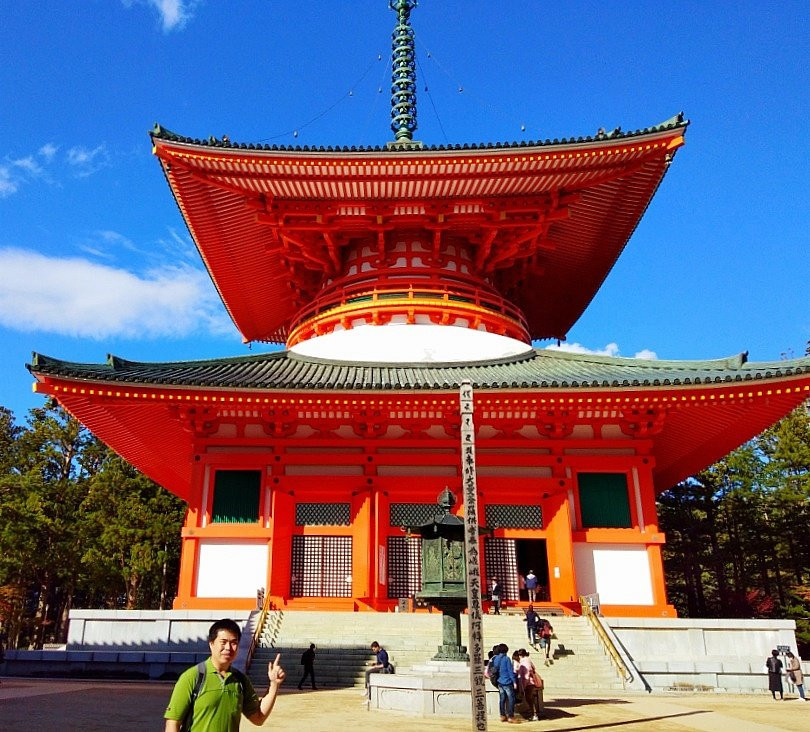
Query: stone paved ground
x,y
64,706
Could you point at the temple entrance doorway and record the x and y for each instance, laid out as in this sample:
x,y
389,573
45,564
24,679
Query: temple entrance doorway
x,y
531,555
510,559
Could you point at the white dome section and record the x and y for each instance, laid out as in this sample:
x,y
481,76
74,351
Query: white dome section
x,y
411,343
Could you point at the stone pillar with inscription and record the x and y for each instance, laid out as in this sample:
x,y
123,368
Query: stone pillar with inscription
x,y
472,530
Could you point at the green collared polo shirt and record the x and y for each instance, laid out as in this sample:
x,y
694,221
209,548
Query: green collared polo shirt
x,y
220,704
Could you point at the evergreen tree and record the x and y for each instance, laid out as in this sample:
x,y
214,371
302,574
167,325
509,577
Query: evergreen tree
x,y
78,526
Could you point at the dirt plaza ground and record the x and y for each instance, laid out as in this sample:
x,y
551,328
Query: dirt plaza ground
x,y
42,704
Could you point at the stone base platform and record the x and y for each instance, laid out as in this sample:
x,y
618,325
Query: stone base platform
x,y
435,688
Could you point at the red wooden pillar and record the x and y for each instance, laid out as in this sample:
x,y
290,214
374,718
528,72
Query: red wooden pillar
x,y
186,584
562,579
363,546
282,521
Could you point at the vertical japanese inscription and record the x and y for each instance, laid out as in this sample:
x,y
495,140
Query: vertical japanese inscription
x,y
474,590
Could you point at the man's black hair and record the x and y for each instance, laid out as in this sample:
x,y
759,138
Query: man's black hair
x,y
224,624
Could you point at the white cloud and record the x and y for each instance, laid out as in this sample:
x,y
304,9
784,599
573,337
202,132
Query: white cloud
x,y
179,245
113,239
8,185
15,172
47,151
174,14
77,297
611,349
28,165
85,162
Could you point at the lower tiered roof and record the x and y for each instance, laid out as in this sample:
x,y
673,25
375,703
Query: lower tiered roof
x,y
537,369
691,413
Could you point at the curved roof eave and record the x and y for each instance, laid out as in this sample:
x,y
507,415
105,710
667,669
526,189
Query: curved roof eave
x,y
158,132
538,369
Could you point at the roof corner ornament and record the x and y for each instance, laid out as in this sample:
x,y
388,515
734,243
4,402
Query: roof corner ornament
x,y
403,73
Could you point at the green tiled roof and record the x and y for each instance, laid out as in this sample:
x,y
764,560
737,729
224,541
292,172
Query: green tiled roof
x,y
161,133
539,369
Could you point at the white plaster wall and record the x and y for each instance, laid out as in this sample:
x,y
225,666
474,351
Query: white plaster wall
x,y
145,630
713,653
231,568
715,638
620,573
402,343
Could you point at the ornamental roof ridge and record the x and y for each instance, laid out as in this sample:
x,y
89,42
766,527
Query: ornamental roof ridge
x,y
116,363
726,363
158,132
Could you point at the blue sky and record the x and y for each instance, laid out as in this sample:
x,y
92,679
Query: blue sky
x,y
94,255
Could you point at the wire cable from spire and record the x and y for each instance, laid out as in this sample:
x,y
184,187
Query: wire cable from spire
x,y
462,89
347,95
377,96
432,102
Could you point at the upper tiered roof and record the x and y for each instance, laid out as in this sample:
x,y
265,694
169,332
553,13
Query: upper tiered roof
x,y
548,219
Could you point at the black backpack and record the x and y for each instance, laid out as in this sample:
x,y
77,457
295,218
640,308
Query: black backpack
x,y
187,720
493,679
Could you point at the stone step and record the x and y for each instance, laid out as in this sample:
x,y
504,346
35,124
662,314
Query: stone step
x,y
412,638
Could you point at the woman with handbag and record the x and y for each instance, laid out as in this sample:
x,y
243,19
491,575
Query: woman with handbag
x,y
795,675
531,684
774,668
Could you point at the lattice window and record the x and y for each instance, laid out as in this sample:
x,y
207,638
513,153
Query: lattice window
x,y
404,565
322,514
513,517
500,560
412,514
321,566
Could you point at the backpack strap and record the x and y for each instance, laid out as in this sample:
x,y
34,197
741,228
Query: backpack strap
x,y
199,682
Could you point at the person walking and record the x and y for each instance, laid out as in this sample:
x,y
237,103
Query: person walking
x,y
501,670
531,585
495,595
794,673
212,696
308,662
532,620
774,667
531,684
546,631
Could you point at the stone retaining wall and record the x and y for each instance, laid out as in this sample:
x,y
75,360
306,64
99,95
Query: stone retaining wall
x,y
702,654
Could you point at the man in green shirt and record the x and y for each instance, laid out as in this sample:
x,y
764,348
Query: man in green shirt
x,y
226,693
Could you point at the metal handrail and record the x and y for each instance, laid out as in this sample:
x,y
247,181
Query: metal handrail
x,y
606,640
257,631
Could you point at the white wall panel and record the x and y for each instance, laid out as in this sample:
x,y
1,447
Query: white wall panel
x,y
228,568
620,573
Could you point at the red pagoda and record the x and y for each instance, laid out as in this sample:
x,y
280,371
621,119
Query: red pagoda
x,y
393,274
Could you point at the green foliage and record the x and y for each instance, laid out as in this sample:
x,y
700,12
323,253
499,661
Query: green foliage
x,y
78,526
738,534
130,525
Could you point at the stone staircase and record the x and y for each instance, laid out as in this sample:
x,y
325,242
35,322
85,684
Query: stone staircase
x,y
342,642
